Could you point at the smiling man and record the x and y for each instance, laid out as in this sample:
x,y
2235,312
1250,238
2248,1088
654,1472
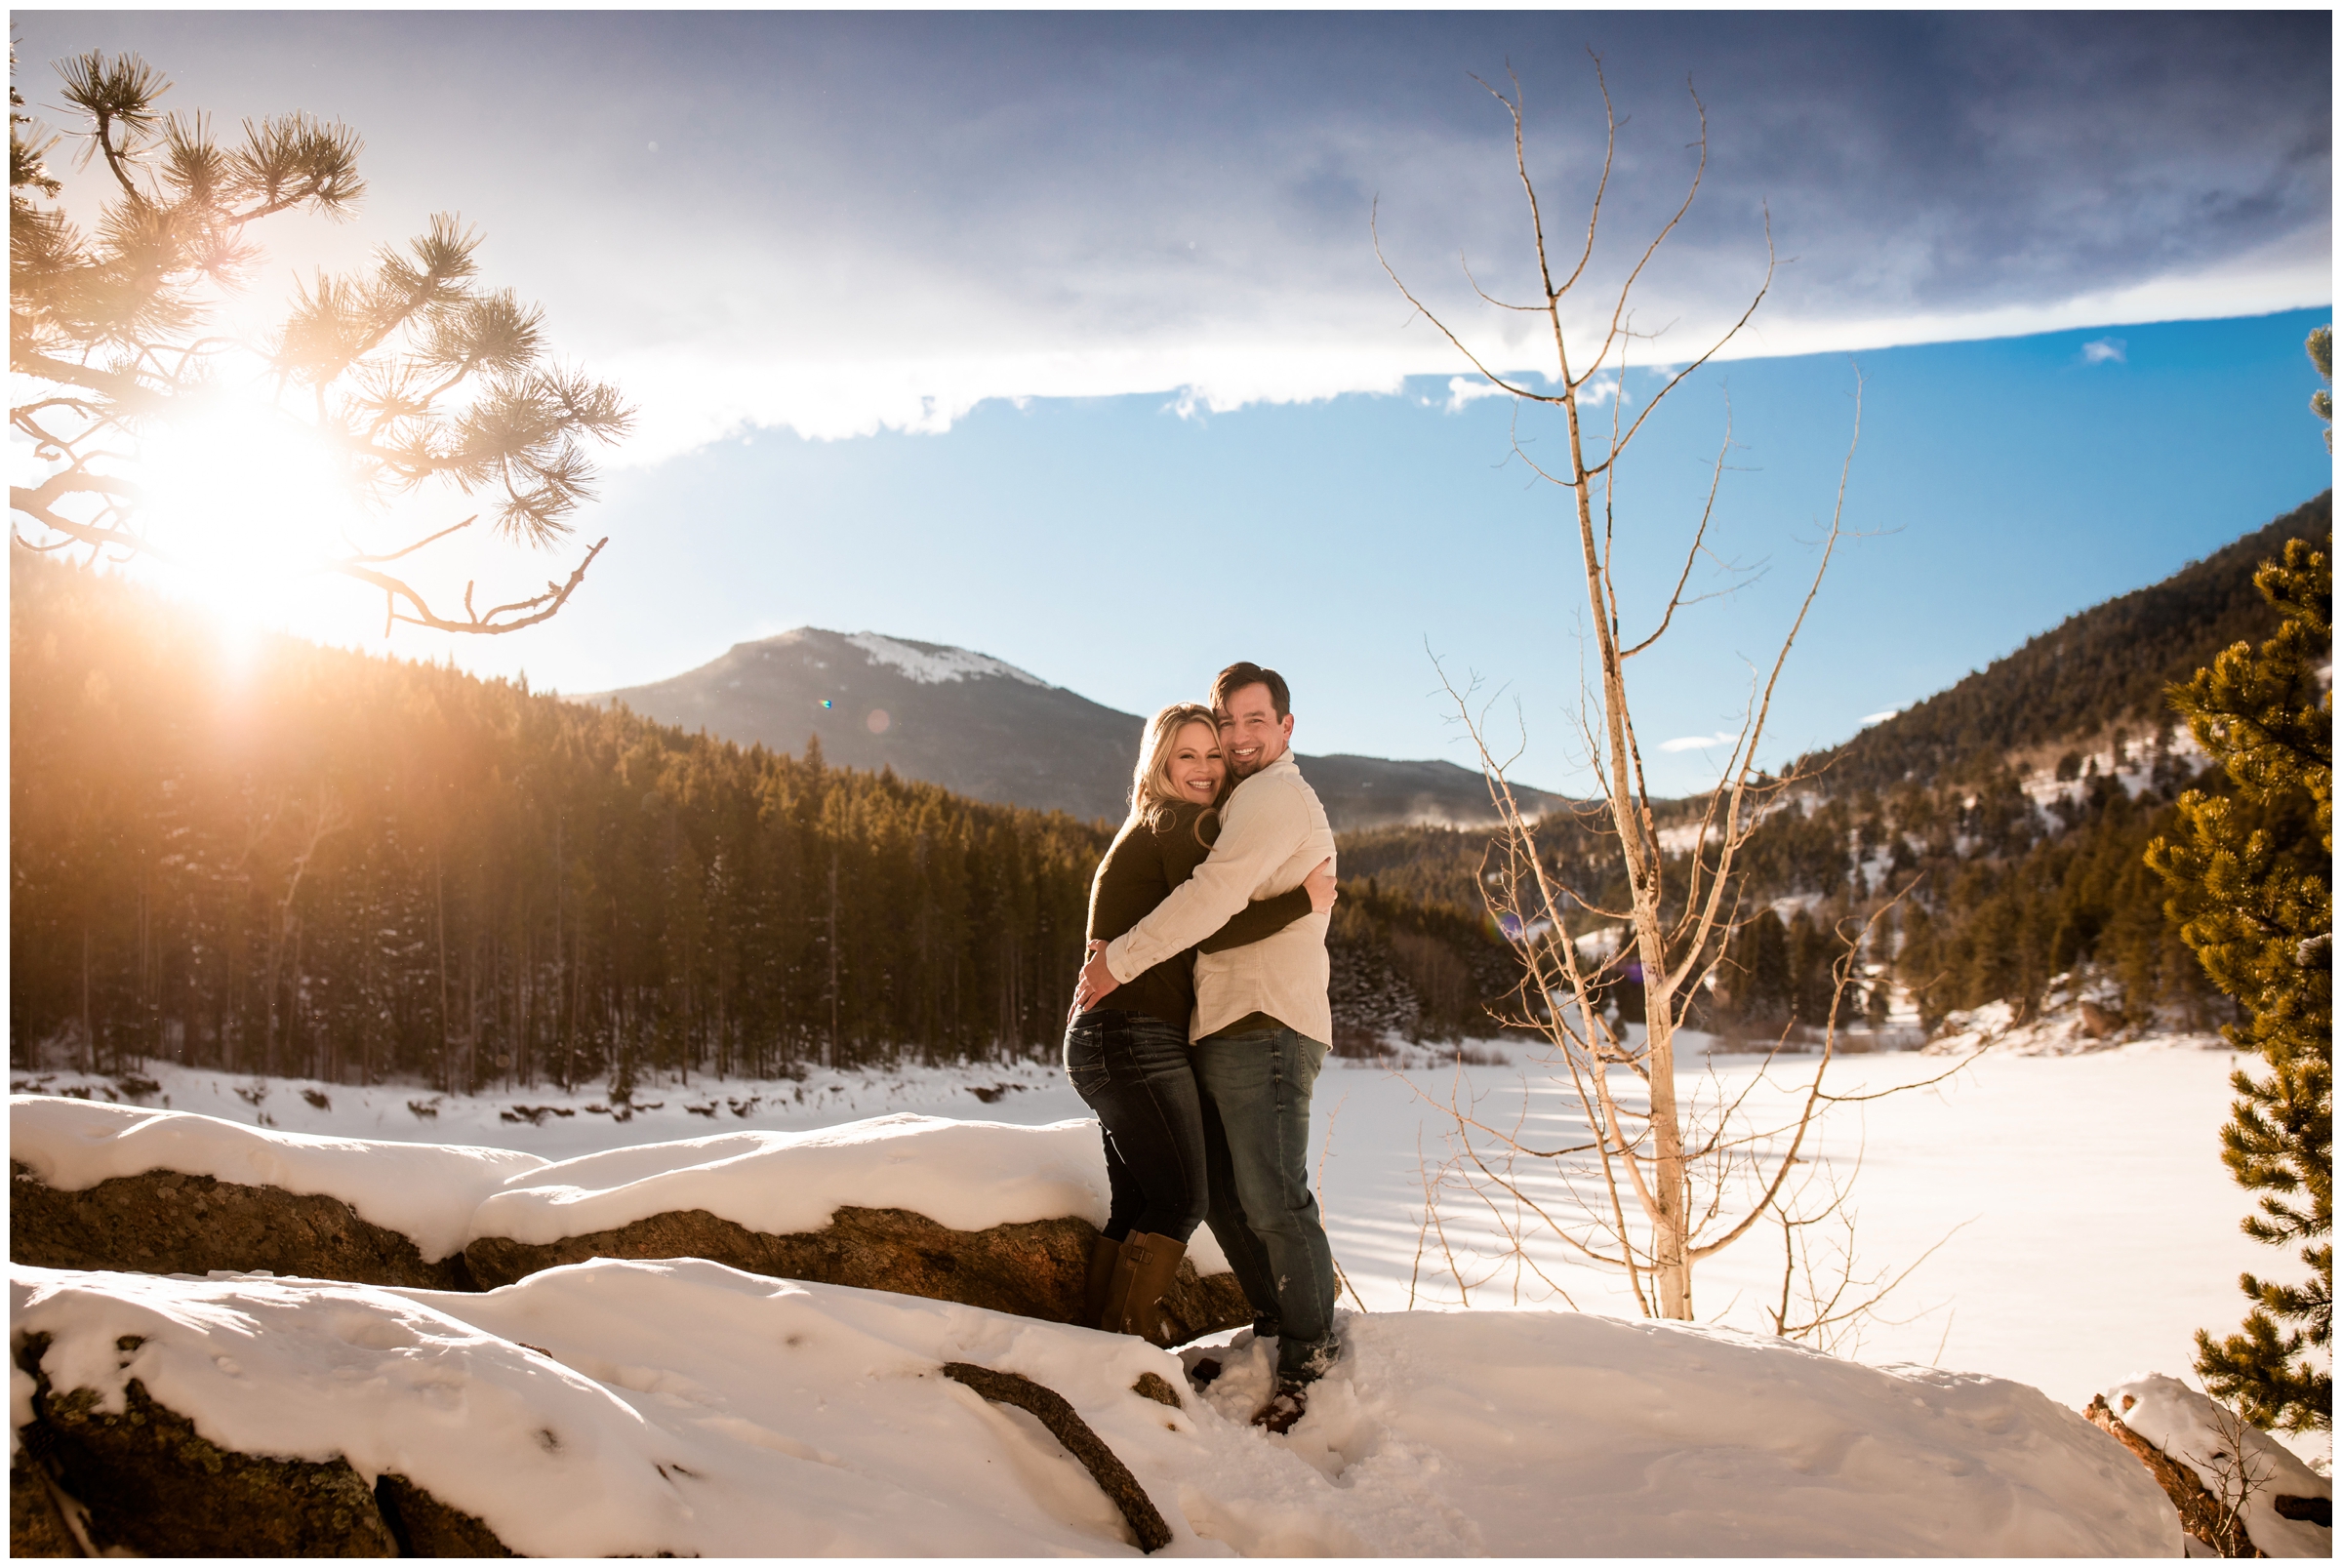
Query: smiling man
x,y
1261,1028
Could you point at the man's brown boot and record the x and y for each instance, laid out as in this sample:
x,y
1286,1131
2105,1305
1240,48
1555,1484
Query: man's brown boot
x,y
1284,1409
1103,1256
1152,1263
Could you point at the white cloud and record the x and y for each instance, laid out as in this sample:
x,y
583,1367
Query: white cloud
x,y
1880,717
762,371
2103,350
1098,207
1061,206
1698,743
1604,387
689,396
1464,390
2291,275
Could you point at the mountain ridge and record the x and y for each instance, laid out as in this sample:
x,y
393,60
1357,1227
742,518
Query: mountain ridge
x,y
2099,668
982,727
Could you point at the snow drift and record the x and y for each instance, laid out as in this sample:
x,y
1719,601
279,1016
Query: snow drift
x,y
629,1407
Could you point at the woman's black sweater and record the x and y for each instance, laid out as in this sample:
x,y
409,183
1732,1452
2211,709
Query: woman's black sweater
x,y
1149,857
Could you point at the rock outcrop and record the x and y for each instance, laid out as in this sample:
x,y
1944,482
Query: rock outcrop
x,y
168,1223
1035,1268
2200,1514
36,1525
146,1482
1198,1304
425,1527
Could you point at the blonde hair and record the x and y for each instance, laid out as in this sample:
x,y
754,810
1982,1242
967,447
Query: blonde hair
x,y
1150,785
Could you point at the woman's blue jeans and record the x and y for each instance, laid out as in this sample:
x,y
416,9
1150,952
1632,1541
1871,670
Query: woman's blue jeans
x,y
1134,1070
1256,1115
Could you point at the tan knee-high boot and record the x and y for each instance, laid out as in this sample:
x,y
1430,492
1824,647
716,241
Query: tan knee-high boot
x,y
1147,1266
1104,1254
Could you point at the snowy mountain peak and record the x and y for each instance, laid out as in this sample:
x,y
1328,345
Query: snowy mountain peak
x,y
936,663
982,727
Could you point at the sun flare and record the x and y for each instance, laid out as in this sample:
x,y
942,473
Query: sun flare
x,y
246,504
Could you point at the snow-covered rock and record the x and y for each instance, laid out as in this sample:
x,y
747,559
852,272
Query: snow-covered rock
x,y
1033,1267
1565,1434
168,1223
966,1175
982,1213
630,1407
426,1191
2078,1014
2231,1458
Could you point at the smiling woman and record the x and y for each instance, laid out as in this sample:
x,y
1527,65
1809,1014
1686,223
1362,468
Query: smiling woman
x,y
148,436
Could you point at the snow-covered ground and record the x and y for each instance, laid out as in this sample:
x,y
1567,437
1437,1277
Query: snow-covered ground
x,y
683,1407
2086,1227
2132,763
2056,1187
554,1125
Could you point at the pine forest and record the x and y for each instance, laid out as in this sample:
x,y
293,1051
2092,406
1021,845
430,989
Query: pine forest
x,y
322,864
351,867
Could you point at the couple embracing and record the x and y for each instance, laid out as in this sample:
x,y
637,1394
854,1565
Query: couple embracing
x,y
1200,1022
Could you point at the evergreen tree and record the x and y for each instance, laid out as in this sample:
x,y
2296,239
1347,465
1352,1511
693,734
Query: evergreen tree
x,y
2321,402
2250,887
408,373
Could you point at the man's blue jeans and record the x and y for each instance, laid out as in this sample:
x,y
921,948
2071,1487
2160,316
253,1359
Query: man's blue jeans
x,y
1256,1125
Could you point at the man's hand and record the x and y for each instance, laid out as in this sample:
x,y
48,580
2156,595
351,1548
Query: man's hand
x,y
1096,980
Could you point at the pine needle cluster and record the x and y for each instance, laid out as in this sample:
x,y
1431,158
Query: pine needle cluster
x,y
2250,884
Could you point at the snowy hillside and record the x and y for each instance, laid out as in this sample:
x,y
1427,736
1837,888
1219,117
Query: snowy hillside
x,y
2073,685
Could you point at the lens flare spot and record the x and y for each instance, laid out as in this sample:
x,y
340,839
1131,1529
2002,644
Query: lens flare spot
x,y
878,721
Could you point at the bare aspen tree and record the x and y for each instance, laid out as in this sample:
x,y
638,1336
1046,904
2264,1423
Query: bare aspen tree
x,y
1665,1177
1826,1296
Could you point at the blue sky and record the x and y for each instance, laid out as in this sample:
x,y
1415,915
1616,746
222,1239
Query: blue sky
x,y
2004,484
1062,337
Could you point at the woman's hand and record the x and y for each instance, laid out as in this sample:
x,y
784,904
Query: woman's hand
x,y
1320,883
1095,982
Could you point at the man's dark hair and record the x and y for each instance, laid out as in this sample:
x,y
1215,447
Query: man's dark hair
x,y
1236,676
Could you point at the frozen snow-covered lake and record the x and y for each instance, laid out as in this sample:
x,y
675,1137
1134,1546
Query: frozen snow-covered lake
x,y
2086,1225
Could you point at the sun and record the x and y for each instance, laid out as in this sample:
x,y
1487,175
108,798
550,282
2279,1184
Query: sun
x,y
244,505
